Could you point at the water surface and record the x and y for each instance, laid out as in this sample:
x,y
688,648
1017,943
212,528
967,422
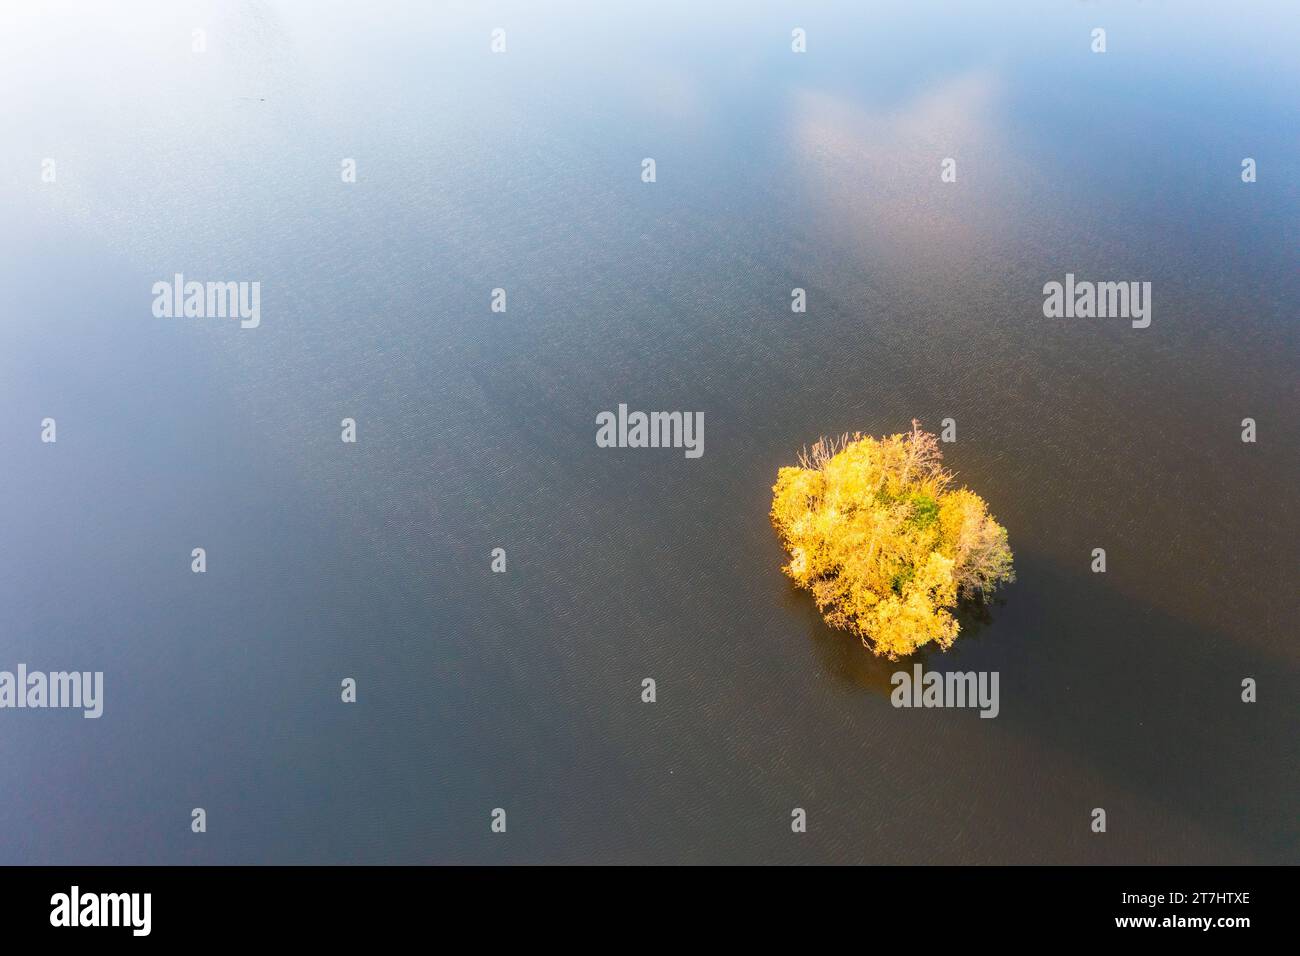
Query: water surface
x,y
477,429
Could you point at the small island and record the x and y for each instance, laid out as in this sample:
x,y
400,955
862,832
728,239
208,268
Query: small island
x,y
887,545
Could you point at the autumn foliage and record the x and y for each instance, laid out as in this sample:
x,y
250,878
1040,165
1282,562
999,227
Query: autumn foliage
x,y
885,542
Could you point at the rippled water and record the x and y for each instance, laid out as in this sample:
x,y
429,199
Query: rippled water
x,y
477,429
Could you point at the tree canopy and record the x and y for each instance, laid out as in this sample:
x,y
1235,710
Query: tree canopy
x,y
876,529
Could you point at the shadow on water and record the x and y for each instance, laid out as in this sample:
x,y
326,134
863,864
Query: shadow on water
x,y
843,655
1097,674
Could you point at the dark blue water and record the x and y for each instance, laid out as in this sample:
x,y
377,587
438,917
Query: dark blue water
x,y
477,430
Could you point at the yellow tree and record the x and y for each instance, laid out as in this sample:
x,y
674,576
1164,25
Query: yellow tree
x,y
886,545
